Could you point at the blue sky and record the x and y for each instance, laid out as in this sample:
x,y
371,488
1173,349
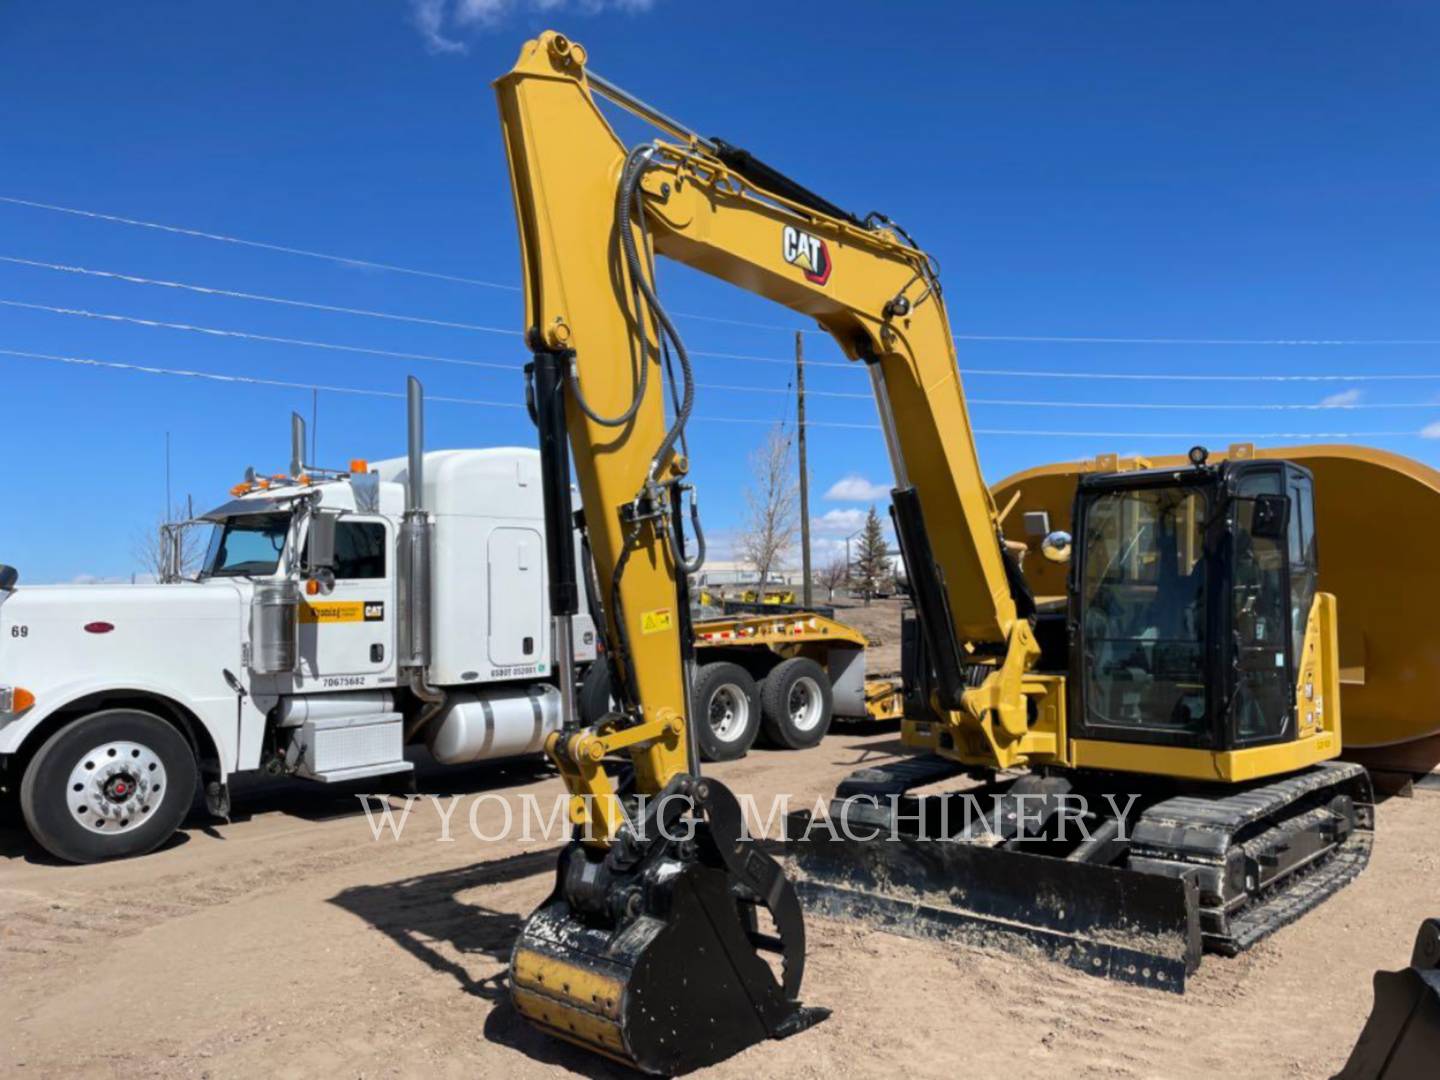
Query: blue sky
x,y
1226,171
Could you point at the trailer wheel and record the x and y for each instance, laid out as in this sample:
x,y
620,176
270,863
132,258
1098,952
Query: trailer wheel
x,y
593,698
796,702
110,785
726,711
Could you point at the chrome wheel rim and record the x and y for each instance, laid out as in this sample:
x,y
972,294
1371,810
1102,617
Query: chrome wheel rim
x,y
729,712
806,704
115,787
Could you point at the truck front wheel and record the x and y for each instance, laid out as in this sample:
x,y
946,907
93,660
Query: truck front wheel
x,y
796,701
112,784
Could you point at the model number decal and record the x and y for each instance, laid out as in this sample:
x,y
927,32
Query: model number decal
x,y
19,631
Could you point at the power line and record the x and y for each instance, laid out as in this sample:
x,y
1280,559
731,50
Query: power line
x,y
251,380
148,369
724,387
197,233
135,279
265,338
1186,377
1205,406
993,338
1281,342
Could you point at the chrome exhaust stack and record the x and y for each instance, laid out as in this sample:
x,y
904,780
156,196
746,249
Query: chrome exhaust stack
x,y
297,445
416,535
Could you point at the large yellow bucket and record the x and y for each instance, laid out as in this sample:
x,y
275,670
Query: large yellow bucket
x,y
1377,515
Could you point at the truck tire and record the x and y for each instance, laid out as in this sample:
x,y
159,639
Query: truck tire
x,y
726,713
593,695
796,703
110,785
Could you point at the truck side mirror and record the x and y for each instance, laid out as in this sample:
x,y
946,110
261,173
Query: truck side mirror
x,y
1271,517
8,577
320,556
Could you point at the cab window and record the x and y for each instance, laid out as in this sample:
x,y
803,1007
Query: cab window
x,y
359,550
1260,617
1143,593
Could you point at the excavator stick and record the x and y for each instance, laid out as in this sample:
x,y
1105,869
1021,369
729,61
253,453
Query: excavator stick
x,y
1401,1040
652,955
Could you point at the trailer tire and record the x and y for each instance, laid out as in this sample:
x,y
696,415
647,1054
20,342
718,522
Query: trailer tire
x,y
797,703
726,712
593,699
111,785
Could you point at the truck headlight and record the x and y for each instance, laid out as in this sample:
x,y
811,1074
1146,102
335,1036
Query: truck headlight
x,y
15,699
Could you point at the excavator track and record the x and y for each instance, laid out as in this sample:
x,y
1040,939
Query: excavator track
x,y
1265,855
1212,870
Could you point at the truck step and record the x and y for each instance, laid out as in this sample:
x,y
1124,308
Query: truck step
x,y
333,749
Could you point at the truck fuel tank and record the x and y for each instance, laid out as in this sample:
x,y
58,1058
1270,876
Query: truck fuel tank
x,y
494,722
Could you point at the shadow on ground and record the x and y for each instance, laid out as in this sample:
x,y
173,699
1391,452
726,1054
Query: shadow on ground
x,y
253,794
425,913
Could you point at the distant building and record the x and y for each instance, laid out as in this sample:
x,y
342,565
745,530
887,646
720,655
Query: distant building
x,y
720,572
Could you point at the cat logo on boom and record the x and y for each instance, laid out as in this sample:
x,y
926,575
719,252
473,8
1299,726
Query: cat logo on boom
x,y
807,252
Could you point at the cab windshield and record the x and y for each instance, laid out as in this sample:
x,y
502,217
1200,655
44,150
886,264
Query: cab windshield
x,y
247,546
1144,609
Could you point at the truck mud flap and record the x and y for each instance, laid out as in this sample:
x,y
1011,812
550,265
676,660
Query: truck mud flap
x,y
1401,1040
1106,921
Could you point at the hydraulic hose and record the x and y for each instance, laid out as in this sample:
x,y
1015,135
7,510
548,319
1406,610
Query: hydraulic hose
x,y
626,206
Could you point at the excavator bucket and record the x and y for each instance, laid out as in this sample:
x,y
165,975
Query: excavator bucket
x,y
659,964
1401,1040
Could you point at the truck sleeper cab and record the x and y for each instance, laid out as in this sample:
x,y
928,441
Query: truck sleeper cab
x,y
295,651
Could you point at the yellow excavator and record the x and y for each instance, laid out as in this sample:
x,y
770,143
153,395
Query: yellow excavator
x,y
1178,710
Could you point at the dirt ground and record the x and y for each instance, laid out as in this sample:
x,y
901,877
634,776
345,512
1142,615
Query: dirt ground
x,y
880,622
290,943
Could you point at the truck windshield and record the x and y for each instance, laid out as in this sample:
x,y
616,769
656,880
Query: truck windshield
x,y
247,546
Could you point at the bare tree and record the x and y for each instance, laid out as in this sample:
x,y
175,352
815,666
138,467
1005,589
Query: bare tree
x,y
772,517
170,550
834,574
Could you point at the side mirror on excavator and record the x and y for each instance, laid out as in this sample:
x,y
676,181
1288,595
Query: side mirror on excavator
x,y
1272,517
1057,546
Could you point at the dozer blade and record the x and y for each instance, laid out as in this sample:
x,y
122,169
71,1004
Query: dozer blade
x,y
1401,1040
1103,920
652,957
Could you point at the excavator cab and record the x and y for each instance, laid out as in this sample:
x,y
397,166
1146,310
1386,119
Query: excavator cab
x,y
1190,594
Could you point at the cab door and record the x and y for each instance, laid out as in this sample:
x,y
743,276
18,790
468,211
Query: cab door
x,y
347,635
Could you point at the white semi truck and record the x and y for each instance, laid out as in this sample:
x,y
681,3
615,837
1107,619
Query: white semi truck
x,y
338,618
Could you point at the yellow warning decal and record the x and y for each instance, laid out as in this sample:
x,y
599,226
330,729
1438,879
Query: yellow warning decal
x,y
332,611
653,622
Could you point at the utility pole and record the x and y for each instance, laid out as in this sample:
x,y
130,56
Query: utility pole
x,y
804,468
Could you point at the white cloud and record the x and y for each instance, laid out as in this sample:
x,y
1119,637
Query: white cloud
x,y
1431,431
838,522
429,18
443,24
855,488
1345,399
